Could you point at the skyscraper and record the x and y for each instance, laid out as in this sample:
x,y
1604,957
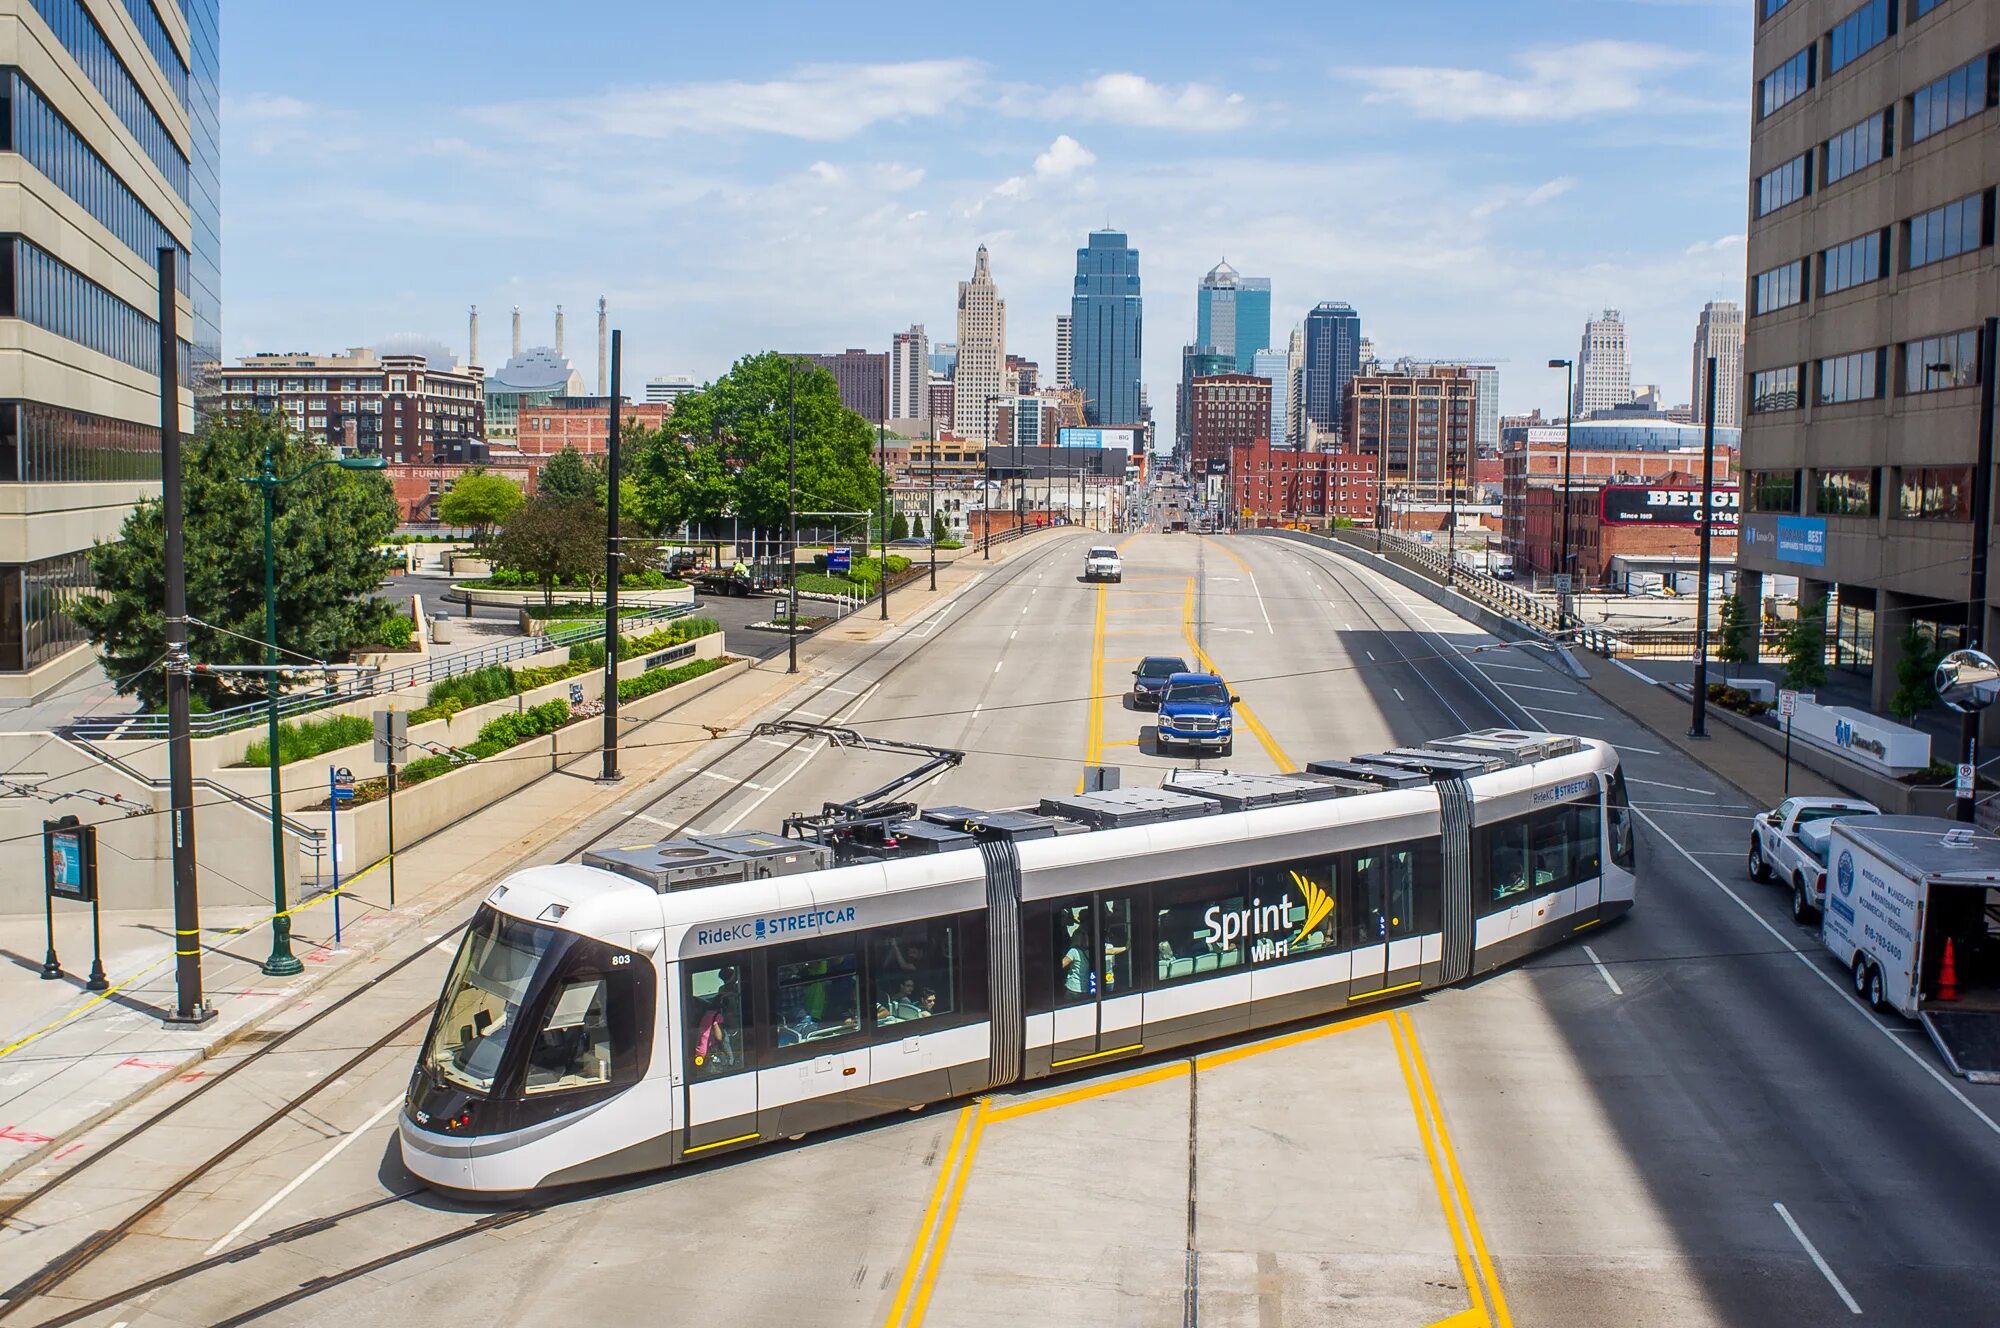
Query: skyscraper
x,y
1333,353
909,380
1196,362
1270,365
1062,352
113,153
982,352
1603,371
1233,314
1719,332
1295,388
1486,410
1106,327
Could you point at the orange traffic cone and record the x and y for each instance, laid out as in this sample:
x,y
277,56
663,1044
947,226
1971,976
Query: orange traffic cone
x,y
1947,983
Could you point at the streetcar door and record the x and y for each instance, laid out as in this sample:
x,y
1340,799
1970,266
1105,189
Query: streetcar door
x,y
1367,920
1098,1007
718,1054
1587,856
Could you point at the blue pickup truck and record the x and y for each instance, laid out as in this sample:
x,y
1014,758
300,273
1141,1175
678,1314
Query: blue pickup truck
x,y
1195,712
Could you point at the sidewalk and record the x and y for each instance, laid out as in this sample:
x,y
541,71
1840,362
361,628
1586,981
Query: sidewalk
x,y
70,1058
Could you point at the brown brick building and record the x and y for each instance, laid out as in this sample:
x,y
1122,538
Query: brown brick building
x,y
864,381
402,407
1279,486
1228,411
1419,425
583,423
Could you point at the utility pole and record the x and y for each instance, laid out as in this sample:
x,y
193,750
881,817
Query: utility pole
x,y
189,1007
1698,727
1982,520
612,569
882,470
792,517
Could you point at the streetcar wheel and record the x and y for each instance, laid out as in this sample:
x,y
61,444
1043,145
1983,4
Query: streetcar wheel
x,y
1760,872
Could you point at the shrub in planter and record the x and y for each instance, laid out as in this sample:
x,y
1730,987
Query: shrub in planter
x,y
654,680
305,738
395,632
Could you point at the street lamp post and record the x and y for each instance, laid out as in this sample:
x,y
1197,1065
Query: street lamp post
x,y
282,962
932,532
791,520
882,469
1569,420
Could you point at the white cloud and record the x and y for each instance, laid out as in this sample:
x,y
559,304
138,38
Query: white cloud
x,y
1720,244
819,103
1133,99
1558,83
1065,156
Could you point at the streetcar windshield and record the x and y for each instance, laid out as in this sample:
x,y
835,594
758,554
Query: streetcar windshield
x,y
483,997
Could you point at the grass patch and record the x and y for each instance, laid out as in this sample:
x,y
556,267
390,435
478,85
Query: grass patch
x,y
299,740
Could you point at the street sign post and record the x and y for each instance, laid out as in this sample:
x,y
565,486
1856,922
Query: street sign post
x,y
340,789
69,860
392,741
839,561
1788,705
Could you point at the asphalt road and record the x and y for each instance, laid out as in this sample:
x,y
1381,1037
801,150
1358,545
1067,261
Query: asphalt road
x,y
1688,1122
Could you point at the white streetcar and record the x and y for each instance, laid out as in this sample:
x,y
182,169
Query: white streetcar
x,y
675,1001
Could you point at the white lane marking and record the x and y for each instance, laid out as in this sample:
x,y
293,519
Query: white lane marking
x,y
1820,972
1260,606
1678,788
1682,809
1529,687
1604,972
716,774
652,820
776,742
1642,751
1545,710
1369,653
1818,1262
997,663
1011,635
1347,626
837,691
1650,682
1398,691
1492,664
445,947
339,1147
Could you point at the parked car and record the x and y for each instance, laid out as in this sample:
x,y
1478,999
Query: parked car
x,y
1149,680
1777,851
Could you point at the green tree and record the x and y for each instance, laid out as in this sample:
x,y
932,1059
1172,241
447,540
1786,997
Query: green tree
x,y
939,533
1916,690
724,449
1733,645
325,529
899,527
637,554
565,476
553,540
480,500
1804,648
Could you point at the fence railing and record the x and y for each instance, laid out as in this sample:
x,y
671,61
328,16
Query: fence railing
x,y
355,686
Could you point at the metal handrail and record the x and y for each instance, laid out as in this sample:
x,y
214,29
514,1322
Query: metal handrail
x,y
356,686
311,834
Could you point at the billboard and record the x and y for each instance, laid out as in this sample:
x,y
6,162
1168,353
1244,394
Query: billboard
x,y
1639,504
1126,440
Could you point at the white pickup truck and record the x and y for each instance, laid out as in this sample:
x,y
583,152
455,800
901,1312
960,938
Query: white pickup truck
x,y
1778,852
1103,564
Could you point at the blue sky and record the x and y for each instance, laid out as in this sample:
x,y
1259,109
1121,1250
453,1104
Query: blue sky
x,y
1476,179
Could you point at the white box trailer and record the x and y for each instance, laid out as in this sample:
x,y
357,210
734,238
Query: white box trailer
x,y
1913,914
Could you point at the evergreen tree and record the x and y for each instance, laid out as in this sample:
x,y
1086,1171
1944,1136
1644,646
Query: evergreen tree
x,y
326,525
567,476
1733,637
1804,647
899,527
1915,689
939,533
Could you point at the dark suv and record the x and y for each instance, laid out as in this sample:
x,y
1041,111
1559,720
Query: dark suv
x,y
1149,680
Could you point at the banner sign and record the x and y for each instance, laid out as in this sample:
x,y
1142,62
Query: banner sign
x,y
1802,540
1635,504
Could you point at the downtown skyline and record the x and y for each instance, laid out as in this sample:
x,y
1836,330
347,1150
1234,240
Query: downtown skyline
x,y
1483,204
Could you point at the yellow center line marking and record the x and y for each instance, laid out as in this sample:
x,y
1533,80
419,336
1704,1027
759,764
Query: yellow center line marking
x,y
1137,1079
929,1277
1465,1269
1093,740
945,1165
1249,717
1457,1179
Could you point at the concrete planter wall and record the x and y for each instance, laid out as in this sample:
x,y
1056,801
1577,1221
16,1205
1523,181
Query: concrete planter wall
x,y
304,782
436,803
1891,795
533,595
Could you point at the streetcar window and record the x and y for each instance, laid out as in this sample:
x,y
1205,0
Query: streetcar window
x,y
1586,853
573,1050
1619,821
1309,889
1075,950
816,993
482,998
917,971
1415,884
1506,863
716,1041
1367,898
1551,839
1114,943
1200,925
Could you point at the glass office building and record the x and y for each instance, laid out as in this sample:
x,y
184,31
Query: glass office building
x,y
1333,356
1106,328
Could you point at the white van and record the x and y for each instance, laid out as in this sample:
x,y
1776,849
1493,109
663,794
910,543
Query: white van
x,y
1913,914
